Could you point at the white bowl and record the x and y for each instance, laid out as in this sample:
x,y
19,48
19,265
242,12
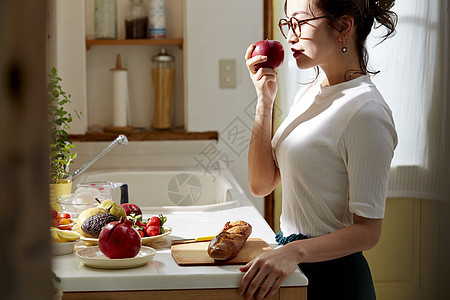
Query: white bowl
x,y
62,248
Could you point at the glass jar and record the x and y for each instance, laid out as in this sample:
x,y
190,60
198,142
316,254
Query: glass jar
x,y
105,19
163,73
136,20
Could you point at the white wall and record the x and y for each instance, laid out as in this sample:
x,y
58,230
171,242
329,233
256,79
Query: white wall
x,y
217,30
214,30
67,53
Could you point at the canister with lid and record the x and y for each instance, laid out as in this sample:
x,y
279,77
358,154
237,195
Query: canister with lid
x,y
163,73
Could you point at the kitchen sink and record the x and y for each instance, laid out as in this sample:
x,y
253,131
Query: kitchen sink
x,y
171,190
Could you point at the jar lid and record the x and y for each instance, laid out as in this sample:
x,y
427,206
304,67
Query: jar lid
x,y
163,56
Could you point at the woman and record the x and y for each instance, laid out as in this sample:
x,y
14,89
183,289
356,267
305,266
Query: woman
x,y
332,153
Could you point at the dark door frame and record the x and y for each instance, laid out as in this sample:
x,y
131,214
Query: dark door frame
x,y
268,34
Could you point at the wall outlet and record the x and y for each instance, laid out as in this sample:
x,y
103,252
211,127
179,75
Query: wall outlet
x,y
227,73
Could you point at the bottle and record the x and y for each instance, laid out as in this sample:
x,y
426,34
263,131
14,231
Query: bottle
x,y
105,19
157,26
136,20
163,73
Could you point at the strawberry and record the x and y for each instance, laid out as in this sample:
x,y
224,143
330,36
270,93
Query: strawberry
x,y
152,230
154,221
141,233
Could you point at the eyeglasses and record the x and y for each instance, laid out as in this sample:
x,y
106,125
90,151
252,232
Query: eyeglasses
x,y
294,24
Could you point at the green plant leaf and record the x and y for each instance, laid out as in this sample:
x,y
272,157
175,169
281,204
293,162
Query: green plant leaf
x,y
59,120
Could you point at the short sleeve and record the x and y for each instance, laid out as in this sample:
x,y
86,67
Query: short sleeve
x,y
367,146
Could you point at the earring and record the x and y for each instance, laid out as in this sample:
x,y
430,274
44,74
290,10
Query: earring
x,y
344,49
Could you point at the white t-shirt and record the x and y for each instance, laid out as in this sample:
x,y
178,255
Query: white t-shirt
x,y
334,151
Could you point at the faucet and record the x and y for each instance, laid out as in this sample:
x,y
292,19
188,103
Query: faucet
x,y
120,140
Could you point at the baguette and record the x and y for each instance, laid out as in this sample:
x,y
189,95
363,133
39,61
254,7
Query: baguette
x,y
230,240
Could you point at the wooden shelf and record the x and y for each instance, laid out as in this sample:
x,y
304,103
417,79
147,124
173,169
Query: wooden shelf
x,y
146,135
178,42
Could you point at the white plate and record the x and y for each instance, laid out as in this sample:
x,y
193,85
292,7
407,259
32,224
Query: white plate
x,y
93,257
145,240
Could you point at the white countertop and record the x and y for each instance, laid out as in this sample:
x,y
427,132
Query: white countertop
x,y
163,272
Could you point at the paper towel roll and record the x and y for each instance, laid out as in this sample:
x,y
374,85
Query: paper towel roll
x,y
120,97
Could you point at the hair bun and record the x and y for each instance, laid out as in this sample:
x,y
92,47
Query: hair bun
x,y
381,11
383,4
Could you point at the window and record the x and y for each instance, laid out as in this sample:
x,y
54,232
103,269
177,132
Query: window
x,y
414,80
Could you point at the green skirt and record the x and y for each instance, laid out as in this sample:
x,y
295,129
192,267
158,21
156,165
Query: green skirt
x,y
345,278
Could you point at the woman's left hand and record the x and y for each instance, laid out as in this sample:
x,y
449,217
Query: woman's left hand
x,y
266,272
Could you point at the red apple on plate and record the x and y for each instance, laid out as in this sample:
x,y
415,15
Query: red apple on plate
x,y
119,239
274,52
130,207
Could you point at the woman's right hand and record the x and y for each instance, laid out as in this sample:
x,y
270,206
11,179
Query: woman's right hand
x,y
263,174
264,79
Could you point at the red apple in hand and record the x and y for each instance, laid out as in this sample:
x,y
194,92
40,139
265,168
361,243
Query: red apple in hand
x,y
130,207
274,52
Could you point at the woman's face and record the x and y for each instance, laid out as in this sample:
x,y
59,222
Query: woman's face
x,y
317,43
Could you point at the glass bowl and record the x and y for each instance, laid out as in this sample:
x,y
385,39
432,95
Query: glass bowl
x,y
74,204
103,190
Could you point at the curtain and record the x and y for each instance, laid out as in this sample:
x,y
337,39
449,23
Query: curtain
x,y
414,80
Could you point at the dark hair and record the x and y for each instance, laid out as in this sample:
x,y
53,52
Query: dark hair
x,y
366,14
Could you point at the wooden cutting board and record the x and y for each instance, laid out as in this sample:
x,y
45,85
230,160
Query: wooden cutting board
x,y
195,254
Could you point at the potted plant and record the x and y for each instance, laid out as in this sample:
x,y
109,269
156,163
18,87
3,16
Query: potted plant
x,y
60,148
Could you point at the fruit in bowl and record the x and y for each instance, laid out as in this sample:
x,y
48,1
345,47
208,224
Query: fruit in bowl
x,y
113,208
119,239
152,227
94,224
63,236
61,220
95,218
91,221
131,208
63,241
